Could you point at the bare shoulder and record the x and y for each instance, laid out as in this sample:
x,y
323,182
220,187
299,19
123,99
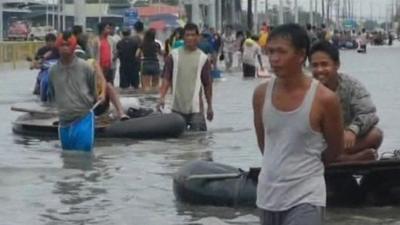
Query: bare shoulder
x,y
259,93
325,97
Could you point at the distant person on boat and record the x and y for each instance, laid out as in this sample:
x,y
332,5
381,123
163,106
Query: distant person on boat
x,y
187,71
296,119
361,136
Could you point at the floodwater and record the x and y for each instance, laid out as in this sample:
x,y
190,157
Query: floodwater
x,y
129,181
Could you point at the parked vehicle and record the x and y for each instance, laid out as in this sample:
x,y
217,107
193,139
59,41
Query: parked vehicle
x,y
18,30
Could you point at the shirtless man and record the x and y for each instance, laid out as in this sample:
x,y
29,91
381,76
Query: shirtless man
x,y
358,110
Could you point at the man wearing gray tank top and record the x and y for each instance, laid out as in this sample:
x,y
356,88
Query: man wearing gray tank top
x,y
296,119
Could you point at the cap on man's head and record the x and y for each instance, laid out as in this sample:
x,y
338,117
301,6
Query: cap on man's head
x,y
66,38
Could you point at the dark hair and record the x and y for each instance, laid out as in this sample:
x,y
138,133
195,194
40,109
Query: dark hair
x,y
327,48
255,38
66,35
101,26
149,44
50,37
77,30
139,27
149,36
296,34
126,32
180,32
308,26
191,27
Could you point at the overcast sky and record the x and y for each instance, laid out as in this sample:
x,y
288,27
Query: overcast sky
x,y
379,7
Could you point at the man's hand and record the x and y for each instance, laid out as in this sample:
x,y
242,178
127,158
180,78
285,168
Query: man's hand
x,y
210,114
349,139
101,98
160,104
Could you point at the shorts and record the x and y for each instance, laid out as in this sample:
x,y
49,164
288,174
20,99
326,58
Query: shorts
x,y
303,214
249,70
150,68
109,75
194,121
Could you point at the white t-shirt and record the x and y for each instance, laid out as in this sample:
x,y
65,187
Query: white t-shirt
x,y
250,53
229,42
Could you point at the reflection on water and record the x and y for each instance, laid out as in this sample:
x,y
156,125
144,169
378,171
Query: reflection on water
x,y
130,181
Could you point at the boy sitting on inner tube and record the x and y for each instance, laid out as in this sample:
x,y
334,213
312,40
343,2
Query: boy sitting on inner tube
x,y
361,136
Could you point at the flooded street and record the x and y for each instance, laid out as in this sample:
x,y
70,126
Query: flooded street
x,y
130,181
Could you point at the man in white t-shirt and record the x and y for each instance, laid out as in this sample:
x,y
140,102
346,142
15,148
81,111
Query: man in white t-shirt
x,y
228,39
251,50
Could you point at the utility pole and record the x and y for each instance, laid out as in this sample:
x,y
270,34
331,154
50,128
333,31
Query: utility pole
x,y
212,13
219,15
63,15
328,13
1,21
296,12
281,21
266,12
311,13
59,15
100,11
80,17
196,12
249,14
53,14
47,14
233,12
323,10
316,8
255,27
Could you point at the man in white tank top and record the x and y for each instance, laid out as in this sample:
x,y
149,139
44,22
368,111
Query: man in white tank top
x,y
296,119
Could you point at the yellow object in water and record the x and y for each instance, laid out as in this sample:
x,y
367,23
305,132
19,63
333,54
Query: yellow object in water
x,y
99,81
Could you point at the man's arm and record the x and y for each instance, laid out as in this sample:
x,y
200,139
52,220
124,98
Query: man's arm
x,y
258,104
166,81
331,125
207,81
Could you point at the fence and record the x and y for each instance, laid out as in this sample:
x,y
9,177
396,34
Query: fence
x,y
13,52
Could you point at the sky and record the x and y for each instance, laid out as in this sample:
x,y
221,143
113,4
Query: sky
x,y
363,7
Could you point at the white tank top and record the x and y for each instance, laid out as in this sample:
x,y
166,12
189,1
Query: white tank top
x,y
292,172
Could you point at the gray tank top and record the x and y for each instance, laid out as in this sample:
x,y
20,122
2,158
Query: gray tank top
x,y
292,171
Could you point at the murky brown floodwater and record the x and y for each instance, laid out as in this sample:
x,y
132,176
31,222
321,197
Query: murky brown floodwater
x,y
129,181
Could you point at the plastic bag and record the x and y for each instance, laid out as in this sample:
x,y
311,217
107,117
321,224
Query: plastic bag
x,y
79,135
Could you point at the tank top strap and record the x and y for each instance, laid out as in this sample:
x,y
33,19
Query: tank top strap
x,y
310,96
268,93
